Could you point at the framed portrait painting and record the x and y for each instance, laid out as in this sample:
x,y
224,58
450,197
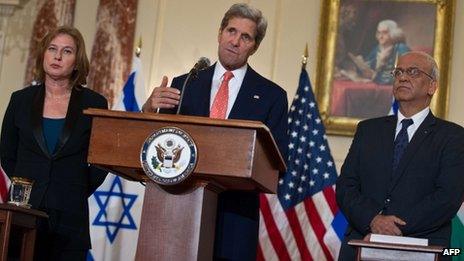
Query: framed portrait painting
x,y
359,44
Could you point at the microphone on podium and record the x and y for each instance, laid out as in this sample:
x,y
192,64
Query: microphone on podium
x,y
201,64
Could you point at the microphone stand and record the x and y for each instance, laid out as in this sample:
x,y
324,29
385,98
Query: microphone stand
x,y
193,72
200,65
189,75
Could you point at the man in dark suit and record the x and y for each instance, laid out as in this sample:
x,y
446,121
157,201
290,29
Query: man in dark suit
x,y
403,175
231,89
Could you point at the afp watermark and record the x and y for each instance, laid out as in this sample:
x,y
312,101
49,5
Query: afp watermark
x,y
451,251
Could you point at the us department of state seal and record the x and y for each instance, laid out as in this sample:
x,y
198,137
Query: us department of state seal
x,y
168,156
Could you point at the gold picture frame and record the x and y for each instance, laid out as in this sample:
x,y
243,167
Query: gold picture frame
x,y
344,98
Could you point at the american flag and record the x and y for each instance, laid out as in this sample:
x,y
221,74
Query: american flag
x,y
303,221
4,185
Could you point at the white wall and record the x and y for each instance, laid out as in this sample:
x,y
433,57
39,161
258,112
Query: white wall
x,y
175,33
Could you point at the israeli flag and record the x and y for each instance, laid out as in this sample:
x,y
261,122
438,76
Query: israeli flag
x,y
116,207
133,94
394,107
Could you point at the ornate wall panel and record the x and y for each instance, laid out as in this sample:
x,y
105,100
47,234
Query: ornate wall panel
x,y
113,46
51,14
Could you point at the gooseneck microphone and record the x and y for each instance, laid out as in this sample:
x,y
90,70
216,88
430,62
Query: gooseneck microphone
x,y
201,64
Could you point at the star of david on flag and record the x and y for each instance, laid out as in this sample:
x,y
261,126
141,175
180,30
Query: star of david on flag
x,y
303,221
123,219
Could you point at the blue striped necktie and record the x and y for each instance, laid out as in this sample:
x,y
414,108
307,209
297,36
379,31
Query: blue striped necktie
x,y
401,142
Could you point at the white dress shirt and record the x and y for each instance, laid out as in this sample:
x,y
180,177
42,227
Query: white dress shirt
x,y
417,119
234,84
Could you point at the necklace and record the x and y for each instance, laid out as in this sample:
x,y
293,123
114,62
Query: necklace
x,y
57,97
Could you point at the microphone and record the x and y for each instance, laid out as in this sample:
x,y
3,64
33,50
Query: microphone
x,y
201,64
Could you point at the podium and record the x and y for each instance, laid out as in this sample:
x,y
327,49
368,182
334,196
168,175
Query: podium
x,y
386,251
178,222
23,220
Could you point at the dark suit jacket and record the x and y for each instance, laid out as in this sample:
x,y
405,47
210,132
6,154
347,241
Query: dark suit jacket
x,y
238,216
426,190
63,181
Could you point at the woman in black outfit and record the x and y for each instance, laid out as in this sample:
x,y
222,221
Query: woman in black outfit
x,y
45,137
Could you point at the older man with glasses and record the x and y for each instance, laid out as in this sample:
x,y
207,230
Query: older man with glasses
x,y
403,175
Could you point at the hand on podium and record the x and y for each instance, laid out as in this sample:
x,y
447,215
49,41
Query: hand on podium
x,y
387,225
367,238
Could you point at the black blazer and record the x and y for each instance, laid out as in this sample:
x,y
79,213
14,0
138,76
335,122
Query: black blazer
x,y
259,99
426,191
63,181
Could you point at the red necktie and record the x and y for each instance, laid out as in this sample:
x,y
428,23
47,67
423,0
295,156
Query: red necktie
x,y
219,108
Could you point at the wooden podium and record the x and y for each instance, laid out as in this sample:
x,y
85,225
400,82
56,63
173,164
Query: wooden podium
x,y
178,222
386,251
23,221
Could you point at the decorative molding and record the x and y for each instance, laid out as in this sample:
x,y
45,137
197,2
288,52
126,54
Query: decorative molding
x,y
6,10
17,29
10,2
7,7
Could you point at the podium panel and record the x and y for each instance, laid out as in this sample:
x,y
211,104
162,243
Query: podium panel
x,y
386,251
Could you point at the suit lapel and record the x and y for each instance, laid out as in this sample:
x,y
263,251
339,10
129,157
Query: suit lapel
x,y
388,136
242,105
74,109
37,118
424,130
201,90
72,114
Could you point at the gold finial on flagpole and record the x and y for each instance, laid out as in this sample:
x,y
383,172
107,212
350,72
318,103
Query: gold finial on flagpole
x,y
396,60
304,61
138,49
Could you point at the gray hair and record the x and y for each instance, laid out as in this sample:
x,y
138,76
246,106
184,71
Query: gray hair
x,y
243,10
435,73
396,33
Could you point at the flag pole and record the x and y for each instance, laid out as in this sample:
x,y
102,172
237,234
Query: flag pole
x,y
138,48
304,60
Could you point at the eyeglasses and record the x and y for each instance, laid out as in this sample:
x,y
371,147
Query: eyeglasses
x,y
412,72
